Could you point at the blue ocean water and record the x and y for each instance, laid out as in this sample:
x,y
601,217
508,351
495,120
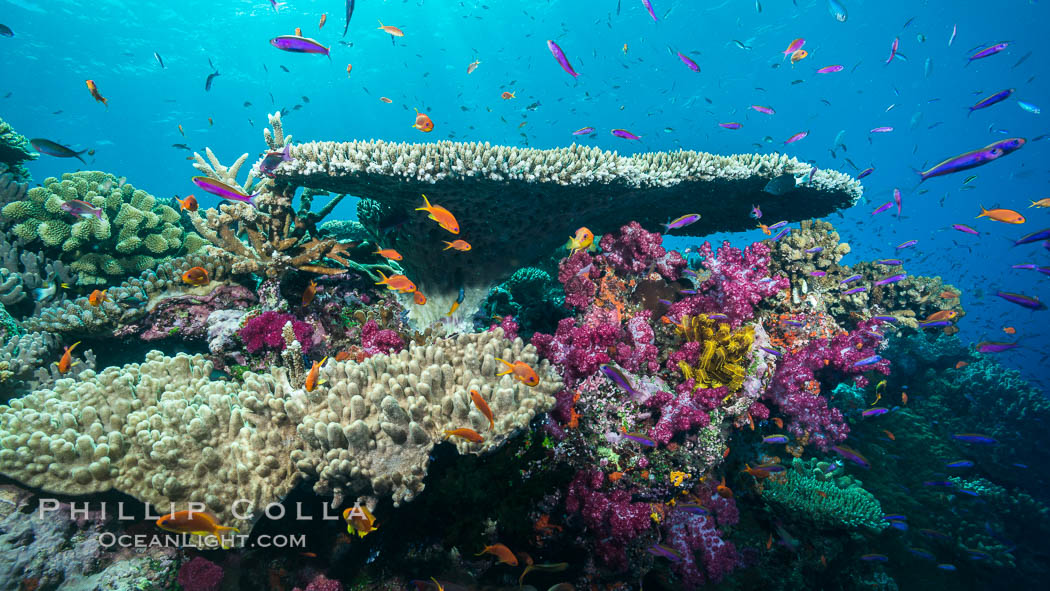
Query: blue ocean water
x,y
924,95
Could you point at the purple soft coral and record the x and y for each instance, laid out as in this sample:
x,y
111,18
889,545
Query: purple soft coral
x,y
579,350
635,250
692,535
375,341
578,274
265,331
613,518
200,574
738,281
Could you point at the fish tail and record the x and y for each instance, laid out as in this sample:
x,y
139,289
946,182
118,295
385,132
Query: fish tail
x,y
508,364
984,212
448,243
426,202
385,279
380,24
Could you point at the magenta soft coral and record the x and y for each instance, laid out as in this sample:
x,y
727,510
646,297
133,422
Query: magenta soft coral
x,y
509,326
635,249
375,341
579,350
611,516
697,535
809,411
200,574
578,274
264,331
678,413
738,281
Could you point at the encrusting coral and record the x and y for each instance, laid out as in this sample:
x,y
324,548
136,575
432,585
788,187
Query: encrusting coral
x,y
14,150
164,432
133,232
505,195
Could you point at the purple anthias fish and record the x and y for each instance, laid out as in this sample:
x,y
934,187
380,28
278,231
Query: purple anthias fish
x,y
781,234
617,377
81,209
693,508
349,13
664,551
907,244
1036,236
891,279
223,190
583,131
297,44
890,262
718,317
778,225
818,273
625,134
681,222
851,279
974,158
756,212
882,208
730,125
560,56
851,455
998,97
791,323
967,229
941,483
273,160
865,172
897,200
891,319
830,69
994,347
772,352
959,464
883,129
772,439
935,323
649,7
973,438
855,290
688,62
639,438
815,249
988,51
868,361
1022,300
874,412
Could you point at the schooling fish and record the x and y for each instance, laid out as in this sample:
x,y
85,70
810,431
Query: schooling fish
x,y
830,69
439,214
194,522
681,222
868,361
837,10
1008,216
891,279
521,372
55,149
688,62
349,13
159,60
974,438
1022,300
649,7
968,160
93,89
1036,236
614,374
998,97
625,134
994,49
560,56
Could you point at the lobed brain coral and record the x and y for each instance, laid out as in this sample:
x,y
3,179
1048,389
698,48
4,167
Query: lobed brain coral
x,y
135,232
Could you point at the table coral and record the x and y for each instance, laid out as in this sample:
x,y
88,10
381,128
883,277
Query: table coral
x,y
133,233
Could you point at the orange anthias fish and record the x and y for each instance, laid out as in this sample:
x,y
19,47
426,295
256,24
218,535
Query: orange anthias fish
x,y
324,19
423,122
97,297
723,490
309,293
94,93
942,315
521,372
779,422
460,245
483,407
949,295
1009,330
961,365
189,203
194,522
312,377
396,32
1007,216
298,32
385,100
419,298
473,66
582,240
502,552
1044,202
469,434
359,520
439,214
507,95
904,398
349,68
343,356
756,472
196,276
889,434
397,283
389,253
765,229
66,361
798,56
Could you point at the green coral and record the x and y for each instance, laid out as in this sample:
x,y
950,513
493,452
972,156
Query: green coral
x,y
823,495
135,232
529,295
14,150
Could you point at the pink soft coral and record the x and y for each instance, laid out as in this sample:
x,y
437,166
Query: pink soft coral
x,y
375,341
635,250
200,574
611,516
264,331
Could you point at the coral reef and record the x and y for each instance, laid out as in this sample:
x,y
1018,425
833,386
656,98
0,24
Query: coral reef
x,y
15,149
823,495
164,432
483,184
132,233
531,297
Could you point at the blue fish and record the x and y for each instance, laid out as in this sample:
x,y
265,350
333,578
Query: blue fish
x,y
974,438
924,554
639,438
617,377
868,361
959,464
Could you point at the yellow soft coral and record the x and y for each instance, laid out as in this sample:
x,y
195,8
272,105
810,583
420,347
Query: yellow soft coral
x,y
722,352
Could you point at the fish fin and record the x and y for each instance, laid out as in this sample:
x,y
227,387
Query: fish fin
x,y
448,243
385,278
984,212
426,203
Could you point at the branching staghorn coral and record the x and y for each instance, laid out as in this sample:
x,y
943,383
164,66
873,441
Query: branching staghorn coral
x,y
164,432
